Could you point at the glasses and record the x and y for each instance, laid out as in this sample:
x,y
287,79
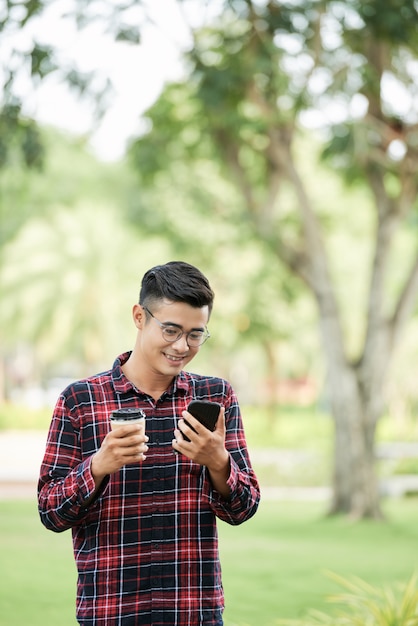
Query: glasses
x,y
172,333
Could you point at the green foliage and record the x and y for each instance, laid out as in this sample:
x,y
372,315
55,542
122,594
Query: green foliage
x,y
42,62
72,243
75,262
366,605
256,72
20,138
37,192
175,115
27,55
222,161
68,222
394,21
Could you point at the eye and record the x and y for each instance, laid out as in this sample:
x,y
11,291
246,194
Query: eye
x,y
196,335
171,332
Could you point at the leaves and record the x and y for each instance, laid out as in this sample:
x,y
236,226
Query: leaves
x,y
42,61
365,605
395,21
128,34
19,138
28,58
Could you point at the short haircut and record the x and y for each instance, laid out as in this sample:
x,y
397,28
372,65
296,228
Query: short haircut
x,y
178,282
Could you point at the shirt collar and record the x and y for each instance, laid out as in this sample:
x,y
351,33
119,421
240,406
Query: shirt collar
x,y
123,385
120,382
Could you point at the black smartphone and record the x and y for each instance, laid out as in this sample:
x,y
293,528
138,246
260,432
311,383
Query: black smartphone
x,y
206,412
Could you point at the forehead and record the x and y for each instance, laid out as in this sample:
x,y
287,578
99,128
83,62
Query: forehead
x,y
181,314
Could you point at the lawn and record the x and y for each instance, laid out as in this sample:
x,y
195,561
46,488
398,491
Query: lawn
x,y
274,565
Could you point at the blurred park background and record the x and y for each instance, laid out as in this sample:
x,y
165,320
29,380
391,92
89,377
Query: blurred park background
x,y
275,146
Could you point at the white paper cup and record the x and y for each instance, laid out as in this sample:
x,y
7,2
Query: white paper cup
x,y
121,417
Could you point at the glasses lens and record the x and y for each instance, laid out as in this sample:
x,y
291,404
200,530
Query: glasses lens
x,y
196,338
171,333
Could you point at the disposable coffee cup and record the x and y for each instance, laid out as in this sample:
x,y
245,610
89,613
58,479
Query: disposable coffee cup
x,y
121,417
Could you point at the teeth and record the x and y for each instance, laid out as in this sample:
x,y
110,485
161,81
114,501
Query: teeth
x,y
173,358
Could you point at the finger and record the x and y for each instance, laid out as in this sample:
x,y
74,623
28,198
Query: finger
x,y
126,429
186,427
190,421
180,433
131,438
220,424
128,443
127,446
134,452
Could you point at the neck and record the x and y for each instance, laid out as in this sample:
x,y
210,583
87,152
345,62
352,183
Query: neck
x,y
148,382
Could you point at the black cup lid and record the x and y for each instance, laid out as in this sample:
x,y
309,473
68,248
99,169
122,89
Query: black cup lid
x,y
127,414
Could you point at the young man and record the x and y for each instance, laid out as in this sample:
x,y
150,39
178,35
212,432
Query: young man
x,y
143,508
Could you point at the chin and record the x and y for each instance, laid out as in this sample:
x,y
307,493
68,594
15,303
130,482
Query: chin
x,y
171,369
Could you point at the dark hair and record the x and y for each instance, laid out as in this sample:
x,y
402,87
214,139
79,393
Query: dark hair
x,y
176,281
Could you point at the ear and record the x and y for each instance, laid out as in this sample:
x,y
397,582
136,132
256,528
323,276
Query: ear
x,y
138,315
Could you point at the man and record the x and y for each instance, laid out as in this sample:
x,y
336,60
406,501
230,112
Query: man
x,y
143,508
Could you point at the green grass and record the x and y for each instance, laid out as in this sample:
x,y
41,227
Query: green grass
x,y
16,417
38,573
273,566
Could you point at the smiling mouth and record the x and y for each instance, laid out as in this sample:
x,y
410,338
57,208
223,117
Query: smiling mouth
x,y
174,359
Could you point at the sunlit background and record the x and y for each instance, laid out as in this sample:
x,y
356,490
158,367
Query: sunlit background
x,y
275,146
78,234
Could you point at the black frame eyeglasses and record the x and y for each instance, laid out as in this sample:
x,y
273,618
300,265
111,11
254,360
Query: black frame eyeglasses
x,y
172,333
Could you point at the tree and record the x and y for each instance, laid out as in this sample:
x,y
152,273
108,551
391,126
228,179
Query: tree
x,y
71,302
33,54
255,75
70,273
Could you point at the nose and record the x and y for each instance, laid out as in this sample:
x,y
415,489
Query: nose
x,y
181,343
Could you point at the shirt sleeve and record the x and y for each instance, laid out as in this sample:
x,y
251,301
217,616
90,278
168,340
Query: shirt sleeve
x,y
243,501
66,483
245,491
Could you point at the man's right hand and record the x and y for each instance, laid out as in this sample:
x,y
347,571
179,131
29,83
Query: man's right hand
x,y
126,444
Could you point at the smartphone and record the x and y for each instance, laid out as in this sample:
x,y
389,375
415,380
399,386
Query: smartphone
x,y
206,412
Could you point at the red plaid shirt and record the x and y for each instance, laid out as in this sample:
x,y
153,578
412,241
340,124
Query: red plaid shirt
x,y
146,548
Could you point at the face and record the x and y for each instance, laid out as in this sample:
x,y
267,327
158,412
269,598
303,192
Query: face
x,y
161,357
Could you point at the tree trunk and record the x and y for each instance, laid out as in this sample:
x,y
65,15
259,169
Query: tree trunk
x,y
355,390
355,484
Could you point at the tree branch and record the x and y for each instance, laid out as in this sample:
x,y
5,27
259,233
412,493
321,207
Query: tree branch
x,y
387,221
405,304
230,153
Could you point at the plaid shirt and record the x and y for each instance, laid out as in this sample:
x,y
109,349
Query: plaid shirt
x,y
146,548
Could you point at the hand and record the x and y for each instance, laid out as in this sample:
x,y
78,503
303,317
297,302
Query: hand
x,y
205,447
121,446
